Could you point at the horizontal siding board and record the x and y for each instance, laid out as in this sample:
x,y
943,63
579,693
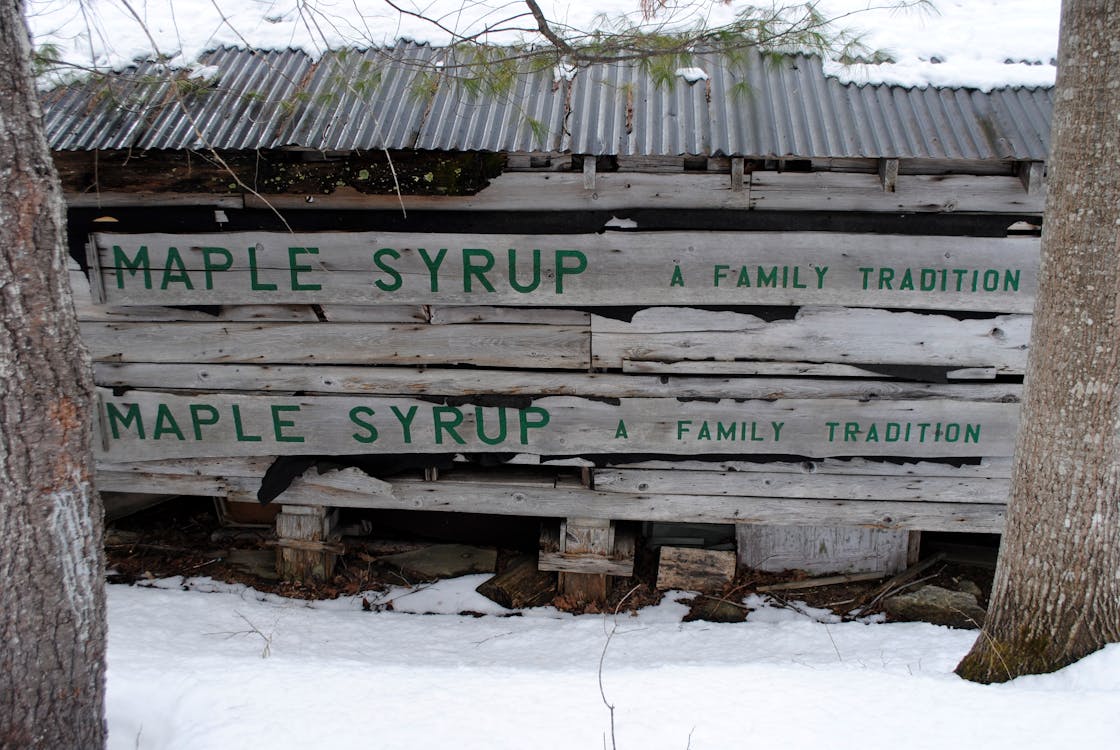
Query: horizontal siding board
x,y
149,425
850,336
388,380
339,343
623,268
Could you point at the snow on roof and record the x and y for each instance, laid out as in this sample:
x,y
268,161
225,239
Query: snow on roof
x,y
960,43
380,98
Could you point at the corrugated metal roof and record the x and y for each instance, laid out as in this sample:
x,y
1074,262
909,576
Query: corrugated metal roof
x,y
406,96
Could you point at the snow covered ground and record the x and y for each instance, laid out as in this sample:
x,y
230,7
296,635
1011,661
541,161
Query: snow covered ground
x,y
224,667
956,43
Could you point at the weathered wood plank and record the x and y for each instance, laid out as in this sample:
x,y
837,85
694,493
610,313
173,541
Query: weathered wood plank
x,y
386,380
785,484
556,347
469,497
777,369
375,313
997,468
616,268
819,549
613,191
694,569
444,315
140,425
839,191
817,334
162,484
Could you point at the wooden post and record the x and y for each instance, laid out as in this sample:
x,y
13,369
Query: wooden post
x,y
306,546
589,172
591,536
1032,174
737,173
888,174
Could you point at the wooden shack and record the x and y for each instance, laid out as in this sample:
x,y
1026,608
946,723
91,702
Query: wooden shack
x,y
762,298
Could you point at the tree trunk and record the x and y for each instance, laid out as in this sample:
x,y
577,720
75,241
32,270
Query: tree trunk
x,y
1056,595
52,616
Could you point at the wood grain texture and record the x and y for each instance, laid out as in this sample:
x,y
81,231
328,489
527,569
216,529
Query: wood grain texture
x,y
613,268
389,380
147,425
560,347
825,334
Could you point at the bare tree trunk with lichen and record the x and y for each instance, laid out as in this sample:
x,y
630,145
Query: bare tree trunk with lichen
x,y
1056,596
52,597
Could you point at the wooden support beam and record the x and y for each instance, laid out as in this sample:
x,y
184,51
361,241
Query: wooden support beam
x,y
888,174
592,537
588,172
307,545
692,569
737,172
822,549
1032,174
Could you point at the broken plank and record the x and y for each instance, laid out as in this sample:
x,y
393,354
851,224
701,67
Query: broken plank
x,y
817,334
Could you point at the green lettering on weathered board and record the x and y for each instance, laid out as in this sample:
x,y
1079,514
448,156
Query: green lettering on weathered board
x,y
631,268
148,425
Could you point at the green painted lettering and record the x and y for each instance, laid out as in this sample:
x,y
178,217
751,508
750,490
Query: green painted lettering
x,y
684,426
532,285
477,270
866,272
719,273
175,271
197,420
972,433
446,419
480,426
433,265
140,262
395,284
165,423
131,417
677,278
279,424
886,277
208,265
768,278
406,422
239,428
254,280
542,418
563,269
356,416
620,431
296,268
907,282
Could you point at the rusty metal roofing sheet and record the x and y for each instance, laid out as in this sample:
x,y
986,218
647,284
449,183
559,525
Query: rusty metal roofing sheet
x,y
405,97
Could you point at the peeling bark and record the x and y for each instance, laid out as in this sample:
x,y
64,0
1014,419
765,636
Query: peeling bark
x,y
52,615
1056,595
